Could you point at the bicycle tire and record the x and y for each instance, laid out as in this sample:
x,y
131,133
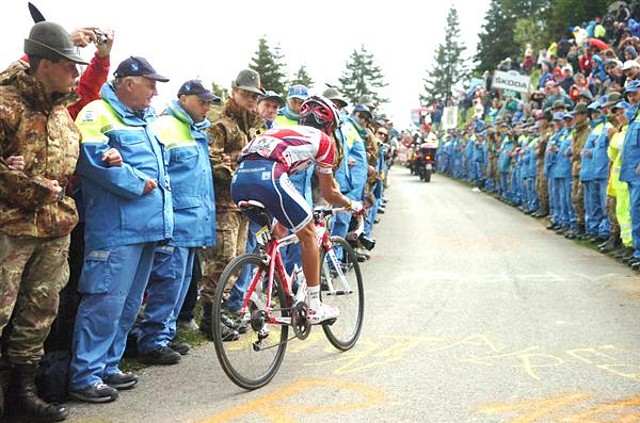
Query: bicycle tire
x,y
344,332
247,367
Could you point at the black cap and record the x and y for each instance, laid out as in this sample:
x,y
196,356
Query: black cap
x,y
138,66
195,87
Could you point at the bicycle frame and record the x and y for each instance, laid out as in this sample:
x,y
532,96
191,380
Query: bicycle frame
x,y
273,259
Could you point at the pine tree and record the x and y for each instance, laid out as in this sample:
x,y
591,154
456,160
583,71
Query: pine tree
x,y
219,91
362,77
302,77
496,39
269,65
449,65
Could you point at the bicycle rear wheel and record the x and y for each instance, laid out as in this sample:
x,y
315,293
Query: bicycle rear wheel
x,y
254,358
341,286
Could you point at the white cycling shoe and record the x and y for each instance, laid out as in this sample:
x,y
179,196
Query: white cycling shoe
x,y
324,313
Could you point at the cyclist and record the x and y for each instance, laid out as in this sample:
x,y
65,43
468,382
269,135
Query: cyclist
x,y
263,175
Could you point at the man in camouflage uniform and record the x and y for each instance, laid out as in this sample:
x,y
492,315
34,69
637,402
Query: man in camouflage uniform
x,y
232,127
580,135
542,185
35,216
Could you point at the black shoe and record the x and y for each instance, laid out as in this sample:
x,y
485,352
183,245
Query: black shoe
x,y
28,401
121,380
571,235
528,212
628,259
636,266
611,245
98,393
231,321
381,211
228,334
624,252
182,349
376,221
552,227
162,356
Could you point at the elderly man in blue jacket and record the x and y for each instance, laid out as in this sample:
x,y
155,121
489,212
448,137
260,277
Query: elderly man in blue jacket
x,y
182,131
129,209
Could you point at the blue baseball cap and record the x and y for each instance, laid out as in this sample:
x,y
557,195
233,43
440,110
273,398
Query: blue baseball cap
x,y
138,66
298,91
361,108
594,106
621,105
632,86
558,116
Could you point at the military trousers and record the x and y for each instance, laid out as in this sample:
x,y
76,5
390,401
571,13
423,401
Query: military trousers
x,y
577,197
32,273
231,238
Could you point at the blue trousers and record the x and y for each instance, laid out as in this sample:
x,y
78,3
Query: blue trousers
x,y
588,208
369,218
567,215
634,199
597,193
504,185
168,286
340,228
112,284
554,201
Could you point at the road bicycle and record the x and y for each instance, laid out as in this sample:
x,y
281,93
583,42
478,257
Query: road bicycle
x,y
274,301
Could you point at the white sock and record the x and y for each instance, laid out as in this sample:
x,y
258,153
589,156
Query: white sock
x,y
313,294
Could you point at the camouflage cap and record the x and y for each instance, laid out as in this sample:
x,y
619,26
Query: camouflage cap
x,y
612,99
334,95
248,80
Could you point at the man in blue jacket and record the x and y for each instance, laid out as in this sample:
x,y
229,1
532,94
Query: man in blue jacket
x,y
630,170
182,131
129,210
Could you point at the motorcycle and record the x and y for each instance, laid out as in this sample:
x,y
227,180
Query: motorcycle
x,y
425,162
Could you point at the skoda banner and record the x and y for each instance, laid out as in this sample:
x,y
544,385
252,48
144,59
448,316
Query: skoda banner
x,y
511,81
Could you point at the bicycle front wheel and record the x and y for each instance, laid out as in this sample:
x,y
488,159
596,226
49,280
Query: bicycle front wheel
x,y
252,351
341,286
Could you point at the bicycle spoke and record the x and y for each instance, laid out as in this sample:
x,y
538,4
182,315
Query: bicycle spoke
x,y
254,357
342,287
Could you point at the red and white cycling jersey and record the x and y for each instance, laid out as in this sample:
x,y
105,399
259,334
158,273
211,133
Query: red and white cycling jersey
x,y
296,148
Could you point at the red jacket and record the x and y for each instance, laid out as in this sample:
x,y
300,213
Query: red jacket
x,y
91,81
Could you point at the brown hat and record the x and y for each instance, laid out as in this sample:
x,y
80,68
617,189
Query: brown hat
x,y
51,41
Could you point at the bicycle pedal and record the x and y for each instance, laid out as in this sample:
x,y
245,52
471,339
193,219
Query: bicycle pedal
x,y
329,322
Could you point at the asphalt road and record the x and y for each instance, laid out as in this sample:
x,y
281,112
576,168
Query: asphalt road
x,y
474,313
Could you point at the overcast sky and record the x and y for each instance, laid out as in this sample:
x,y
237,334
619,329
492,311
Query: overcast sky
x,y
213,41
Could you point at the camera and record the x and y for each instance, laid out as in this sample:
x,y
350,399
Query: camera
x,y
101,38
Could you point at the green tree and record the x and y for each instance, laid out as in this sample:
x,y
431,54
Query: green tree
x,y
219,91
302,77
496,38
362,77
565,13
268,63
449,65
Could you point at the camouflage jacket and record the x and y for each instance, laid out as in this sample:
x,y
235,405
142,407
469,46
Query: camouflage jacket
x,y
41,130
577,144
231,129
